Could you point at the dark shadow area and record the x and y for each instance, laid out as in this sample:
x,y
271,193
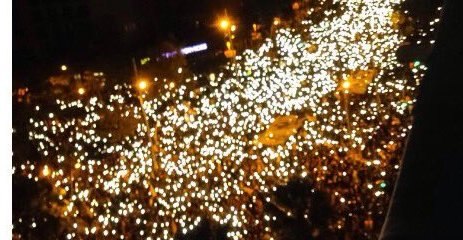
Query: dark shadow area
x,y
427,202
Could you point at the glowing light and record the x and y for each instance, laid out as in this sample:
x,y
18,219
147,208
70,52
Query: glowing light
x,y
45,171
142,85
224,23
81,91
346,85
221,150
194,49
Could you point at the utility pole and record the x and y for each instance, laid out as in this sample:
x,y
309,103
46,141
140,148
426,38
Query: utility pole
x,y
135,70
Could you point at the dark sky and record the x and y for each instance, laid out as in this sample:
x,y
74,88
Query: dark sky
x,y
94,33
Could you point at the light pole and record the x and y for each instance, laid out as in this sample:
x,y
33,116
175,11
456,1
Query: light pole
x,y
142,87
345,90
228,28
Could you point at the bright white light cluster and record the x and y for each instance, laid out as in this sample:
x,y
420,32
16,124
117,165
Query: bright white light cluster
x,y
155,171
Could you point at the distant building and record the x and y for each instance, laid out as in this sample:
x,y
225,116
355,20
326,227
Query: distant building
x,y
78,83
22,95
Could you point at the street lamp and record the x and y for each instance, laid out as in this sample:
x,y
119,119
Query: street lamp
x,y
224,24
346,85
228,28
81,91
142,86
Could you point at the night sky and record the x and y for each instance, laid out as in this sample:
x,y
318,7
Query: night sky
x,y
107,34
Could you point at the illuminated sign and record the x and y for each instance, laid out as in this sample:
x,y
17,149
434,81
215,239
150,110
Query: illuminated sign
x,y
187,50
193,49
169,54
